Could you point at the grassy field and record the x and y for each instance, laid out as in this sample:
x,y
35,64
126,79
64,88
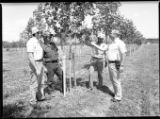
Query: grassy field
x,y
140,83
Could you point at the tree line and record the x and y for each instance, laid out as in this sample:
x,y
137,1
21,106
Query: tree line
x,y
14,44
79,19
82,19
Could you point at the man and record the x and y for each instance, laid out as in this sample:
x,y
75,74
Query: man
x,y
51,58
98,59
116,54
38,77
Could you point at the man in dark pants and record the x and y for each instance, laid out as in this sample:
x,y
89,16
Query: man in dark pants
x,y
50,59
97,61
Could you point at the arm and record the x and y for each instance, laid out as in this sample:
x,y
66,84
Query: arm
x,y
99,47
32,61
123,50
123,55
52,56
44,47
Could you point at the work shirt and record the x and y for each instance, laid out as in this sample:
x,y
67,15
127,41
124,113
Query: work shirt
x,y
49,53
100,53
34,47
115,50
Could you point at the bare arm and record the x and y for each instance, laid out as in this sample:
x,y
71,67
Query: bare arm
x,y
99,47
31,59
123,50
123,55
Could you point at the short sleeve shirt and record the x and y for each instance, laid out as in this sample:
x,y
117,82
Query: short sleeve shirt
x,y
34,47
115,50
100,53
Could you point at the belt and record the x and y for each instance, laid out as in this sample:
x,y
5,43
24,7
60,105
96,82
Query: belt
x,y
115,61
39,60
54,61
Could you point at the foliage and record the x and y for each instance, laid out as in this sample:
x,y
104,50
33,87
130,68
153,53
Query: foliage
x,y
14,44
81,19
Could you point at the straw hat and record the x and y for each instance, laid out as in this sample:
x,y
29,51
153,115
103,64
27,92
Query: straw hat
x,y
115,32
34,30
52,32
101,35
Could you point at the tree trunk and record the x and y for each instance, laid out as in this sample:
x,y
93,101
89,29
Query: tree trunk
x,y
70,66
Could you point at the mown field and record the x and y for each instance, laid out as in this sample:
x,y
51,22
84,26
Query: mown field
x,y
140,82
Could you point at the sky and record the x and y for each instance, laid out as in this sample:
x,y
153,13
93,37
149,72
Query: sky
x,y
143,14
14,19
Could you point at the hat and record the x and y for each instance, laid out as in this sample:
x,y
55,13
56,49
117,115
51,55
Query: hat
x,y
115,32
101,35
34,30
46,33
52,32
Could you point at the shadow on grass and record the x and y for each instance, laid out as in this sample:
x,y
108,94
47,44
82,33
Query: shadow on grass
x,y
12,111
24,110
105,89
5,70
80,82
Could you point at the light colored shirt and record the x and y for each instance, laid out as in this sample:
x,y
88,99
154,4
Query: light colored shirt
x,y
100,53
34,47
115,50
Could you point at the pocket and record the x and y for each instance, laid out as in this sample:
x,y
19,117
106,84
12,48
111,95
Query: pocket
x,y
117,65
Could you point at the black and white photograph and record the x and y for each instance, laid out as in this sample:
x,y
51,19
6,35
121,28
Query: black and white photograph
x,y
80,59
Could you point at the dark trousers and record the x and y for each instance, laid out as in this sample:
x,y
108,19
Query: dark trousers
x,y
98,66
54,68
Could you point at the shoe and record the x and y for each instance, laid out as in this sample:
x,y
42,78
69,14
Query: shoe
x,y
44,99
33,103
115,100
99,86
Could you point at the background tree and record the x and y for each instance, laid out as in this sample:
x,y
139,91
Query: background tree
x,y
82,20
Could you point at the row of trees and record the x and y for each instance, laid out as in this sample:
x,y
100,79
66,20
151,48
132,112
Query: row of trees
x,y
14,44
81,20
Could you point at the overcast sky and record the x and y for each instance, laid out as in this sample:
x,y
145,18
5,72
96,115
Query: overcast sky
x,y
144,15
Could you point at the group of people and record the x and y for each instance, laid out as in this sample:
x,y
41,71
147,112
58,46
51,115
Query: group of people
x,y
44,61
111,50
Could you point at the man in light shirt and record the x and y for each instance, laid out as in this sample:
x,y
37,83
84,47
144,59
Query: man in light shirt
x,y
115,55
38,75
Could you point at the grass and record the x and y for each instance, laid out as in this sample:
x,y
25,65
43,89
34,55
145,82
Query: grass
x,y
140,84
140,89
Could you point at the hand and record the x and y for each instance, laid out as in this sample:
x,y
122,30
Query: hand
x,y
38,72
60,62
45,69
121,69
92,43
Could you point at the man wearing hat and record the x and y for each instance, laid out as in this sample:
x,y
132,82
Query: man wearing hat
x,y
98,59
115,54
51,58
38,77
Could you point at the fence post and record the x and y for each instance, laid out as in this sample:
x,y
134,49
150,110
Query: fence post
x,y
74,76
64,75
70,66
91,70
